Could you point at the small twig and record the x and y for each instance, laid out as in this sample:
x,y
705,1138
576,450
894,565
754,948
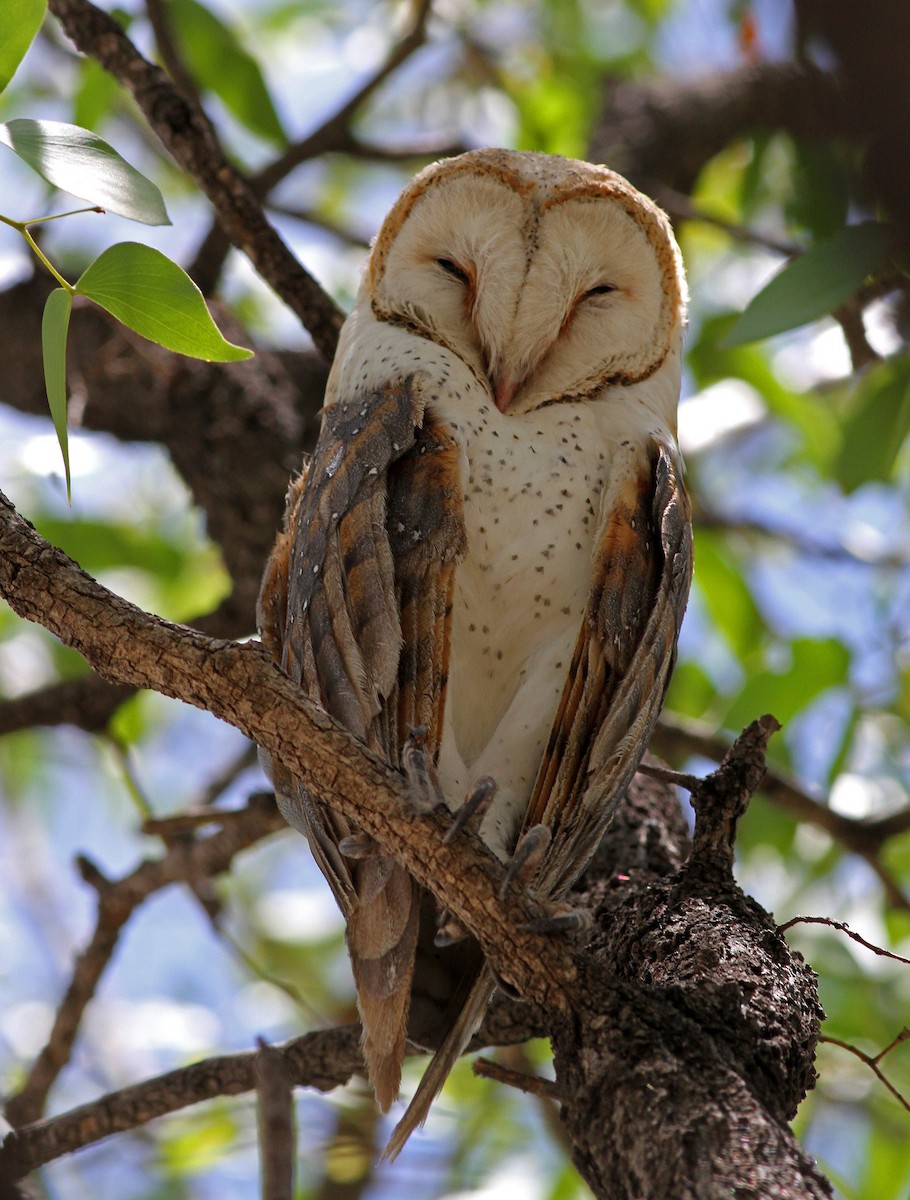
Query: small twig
x,y
799,539
676,737
324,1060
666,775
681,208
721,799
872,1061
117,901
277,1134
843,928
333,136
532,1085
188,820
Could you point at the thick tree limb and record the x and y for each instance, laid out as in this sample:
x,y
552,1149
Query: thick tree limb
x,y
663,132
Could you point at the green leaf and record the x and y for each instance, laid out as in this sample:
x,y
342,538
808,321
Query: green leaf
x,y
816,664
710,359
96,96
150,294
727,596
80,162
54,326
21,21
221,64
876,427
812,285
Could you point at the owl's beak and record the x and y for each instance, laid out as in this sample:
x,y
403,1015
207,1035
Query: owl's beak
x,y
504,389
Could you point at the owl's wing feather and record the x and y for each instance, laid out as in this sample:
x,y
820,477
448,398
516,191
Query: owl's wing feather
x,y
620,668
356,608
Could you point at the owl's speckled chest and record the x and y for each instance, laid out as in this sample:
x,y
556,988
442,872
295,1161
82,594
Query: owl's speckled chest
x,y
533,489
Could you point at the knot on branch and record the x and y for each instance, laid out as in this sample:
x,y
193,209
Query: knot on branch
x,y
721,798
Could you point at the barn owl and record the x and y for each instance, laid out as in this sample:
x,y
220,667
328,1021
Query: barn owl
x,y
490,544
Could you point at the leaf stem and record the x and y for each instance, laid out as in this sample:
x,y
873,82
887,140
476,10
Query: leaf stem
x,y
22,227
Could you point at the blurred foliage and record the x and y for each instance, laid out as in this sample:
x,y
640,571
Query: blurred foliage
x,y
798,464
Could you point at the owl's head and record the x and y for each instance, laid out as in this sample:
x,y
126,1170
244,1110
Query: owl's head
x,y
552,279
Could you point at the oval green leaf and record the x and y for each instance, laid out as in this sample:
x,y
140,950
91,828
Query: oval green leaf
x,y
222,65
54,327
80,162
21,22
814,284
150,294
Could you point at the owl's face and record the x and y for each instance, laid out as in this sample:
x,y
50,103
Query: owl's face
x,y
551,279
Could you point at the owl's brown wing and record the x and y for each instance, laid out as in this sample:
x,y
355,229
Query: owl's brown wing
x,y
356,607
620,669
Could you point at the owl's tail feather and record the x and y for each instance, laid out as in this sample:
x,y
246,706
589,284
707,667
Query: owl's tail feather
x,y
443,1061
382,940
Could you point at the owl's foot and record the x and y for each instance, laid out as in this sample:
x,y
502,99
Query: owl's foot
x,y
358,846
559,917
449,929
424,788
527,857
475,807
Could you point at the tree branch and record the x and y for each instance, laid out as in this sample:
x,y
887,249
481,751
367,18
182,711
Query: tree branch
x,y
184,862
237,683
191,140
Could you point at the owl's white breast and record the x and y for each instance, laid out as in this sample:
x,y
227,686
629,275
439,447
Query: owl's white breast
x,y
536,487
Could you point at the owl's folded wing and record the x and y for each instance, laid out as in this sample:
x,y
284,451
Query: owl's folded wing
x,y
620,669
356,607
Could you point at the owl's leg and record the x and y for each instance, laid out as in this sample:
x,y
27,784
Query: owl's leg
x,y
478,800
474,808
424,789
559,916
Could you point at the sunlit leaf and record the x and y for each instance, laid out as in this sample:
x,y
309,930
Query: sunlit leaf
x,y
141,287
711,358
80,162
876,427
815,283
219,62
21,21
54,327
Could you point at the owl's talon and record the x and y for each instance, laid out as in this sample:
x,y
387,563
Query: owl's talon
x,y
475,807
561,918
526,859
424,788
449,929
358,846
506,988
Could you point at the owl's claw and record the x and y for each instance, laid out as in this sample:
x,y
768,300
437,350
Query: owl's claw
x,y
358,846
424,788
475,807
560,918
526,859
449,929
